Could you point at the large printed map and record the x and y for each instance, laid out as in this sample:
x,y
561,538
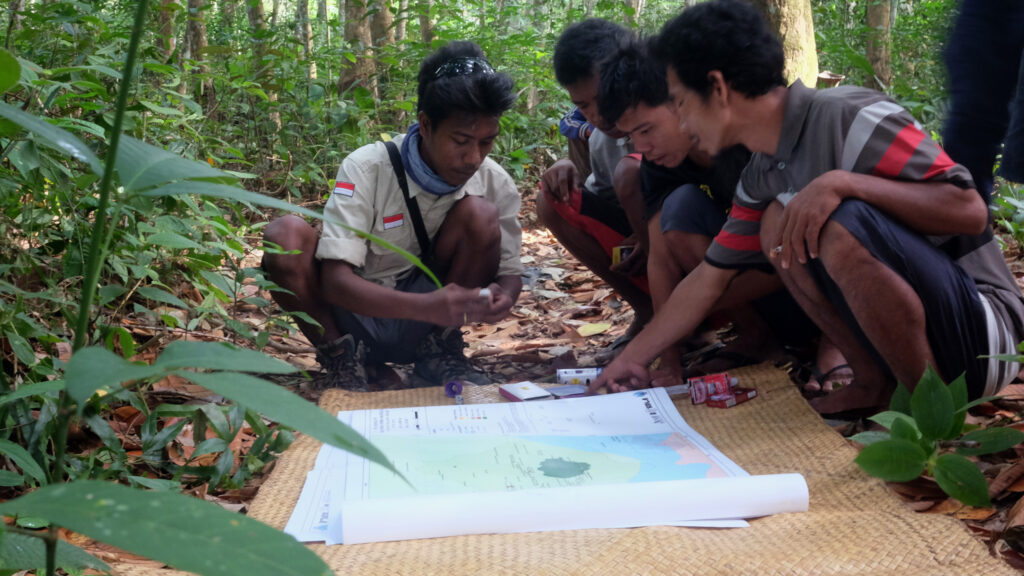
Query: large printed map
x,y
450,464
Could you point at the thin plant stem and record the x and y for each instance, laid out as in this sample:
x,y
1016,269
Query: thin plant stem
x,y
97,248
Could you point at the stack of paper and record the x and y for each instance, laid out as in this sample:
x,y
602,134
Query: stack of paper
x,y
612,461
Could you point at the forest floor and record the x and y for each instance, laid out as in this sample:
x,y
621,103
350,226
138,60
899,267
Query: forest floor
x,y
567,317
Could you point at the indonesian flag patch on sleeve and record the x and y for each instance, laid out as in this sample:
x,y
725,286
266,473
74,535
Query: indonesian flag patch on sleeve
x,y
345,188
393,221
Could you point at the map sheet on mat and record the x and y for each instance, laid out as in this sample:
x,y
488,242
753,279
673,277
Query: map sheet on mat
x,y
615,460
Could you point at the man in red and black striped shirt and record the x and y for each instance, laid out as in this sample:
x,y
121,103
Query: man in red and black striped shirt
x,y
881,238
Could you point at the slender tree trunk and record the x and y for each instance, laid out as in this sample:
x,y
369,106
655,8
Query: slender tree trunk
x,y
275,8
793,21
305,33
426,26
197,36
403,18
257,21
321,10
15,8
636,7
589,7
540,26
879,43
357,35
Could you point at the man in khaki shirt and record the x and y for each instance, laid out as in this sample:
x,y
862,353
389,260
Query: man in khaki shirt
x,y
371,303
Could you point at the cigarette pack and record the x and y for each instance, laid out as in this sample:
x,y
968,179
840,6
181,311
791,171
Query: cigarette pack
x,y
703,387
736,396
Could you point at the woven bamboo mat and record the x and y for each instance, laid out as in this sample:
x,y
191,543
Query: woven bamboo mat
x,y
854,526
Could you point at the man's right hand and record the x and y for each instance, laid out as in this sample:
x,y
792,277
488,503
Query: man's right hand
x,y
560,179
621,375
457,306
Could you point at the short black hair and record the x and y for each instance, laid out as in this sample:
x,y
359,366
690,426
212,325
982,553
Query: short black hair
x,y
583,45
475,89
730,36
629,77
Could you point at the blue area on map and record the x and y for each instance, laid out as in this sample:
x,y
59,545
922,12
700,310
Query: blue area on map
x,y
658,462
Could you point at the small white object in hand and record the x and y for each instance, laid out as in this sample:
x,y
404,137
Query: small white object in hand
x,y
777,249
485,292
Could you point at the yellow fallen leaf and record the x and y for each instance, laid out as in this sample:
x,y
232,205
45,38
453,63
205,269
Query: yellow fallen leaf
x,y
593,328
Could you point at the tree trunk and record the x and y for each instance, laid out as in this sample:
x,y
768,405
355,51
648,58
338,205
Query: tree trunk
x,y
357,35
426,26
198,43
793,21
381,28
275,8
228,9
166,40
15,8
257,21
879,43
540,26
635,8
305,34
321,10
403,17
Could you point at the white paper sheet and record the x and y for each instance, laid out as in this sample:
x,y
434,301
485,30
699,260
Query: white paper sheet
x,y
530,466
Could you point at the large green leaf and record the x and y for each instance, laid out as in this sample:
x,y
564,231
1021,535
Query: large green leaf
x,y
186,533
162,296
893,460
961,479
958,391
141,165
887,418
23,460
96,368
282,406
219,356
53,136
869,437
991,440
900,401
10,71
20,552
932,406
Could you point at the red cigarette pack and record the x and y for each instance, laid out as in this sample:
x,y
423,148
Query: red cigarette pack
x,y
736,396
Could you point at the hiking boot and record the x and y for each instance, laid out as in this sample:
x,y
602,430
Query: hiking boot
x,y
439,359
342,364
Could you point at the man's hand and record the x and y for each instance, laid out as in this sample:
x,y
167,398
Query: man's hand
x,y
804,217
454,305
636,263
560,179
499,303
621,375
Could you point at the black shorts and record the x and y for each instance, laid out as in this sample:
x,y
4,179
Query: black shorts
x,y
955,317
688,209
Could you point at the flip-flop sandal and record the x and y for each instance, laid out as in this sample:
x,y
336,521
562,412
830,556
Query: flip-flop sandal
x,y
837,376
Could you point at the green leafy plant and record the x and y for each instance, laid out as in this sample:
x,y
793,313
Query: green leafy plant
x,y
184,532
921,430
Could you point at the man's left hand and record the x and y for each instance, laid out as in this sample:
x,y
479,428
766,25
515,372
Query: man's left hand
x,y
499,305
